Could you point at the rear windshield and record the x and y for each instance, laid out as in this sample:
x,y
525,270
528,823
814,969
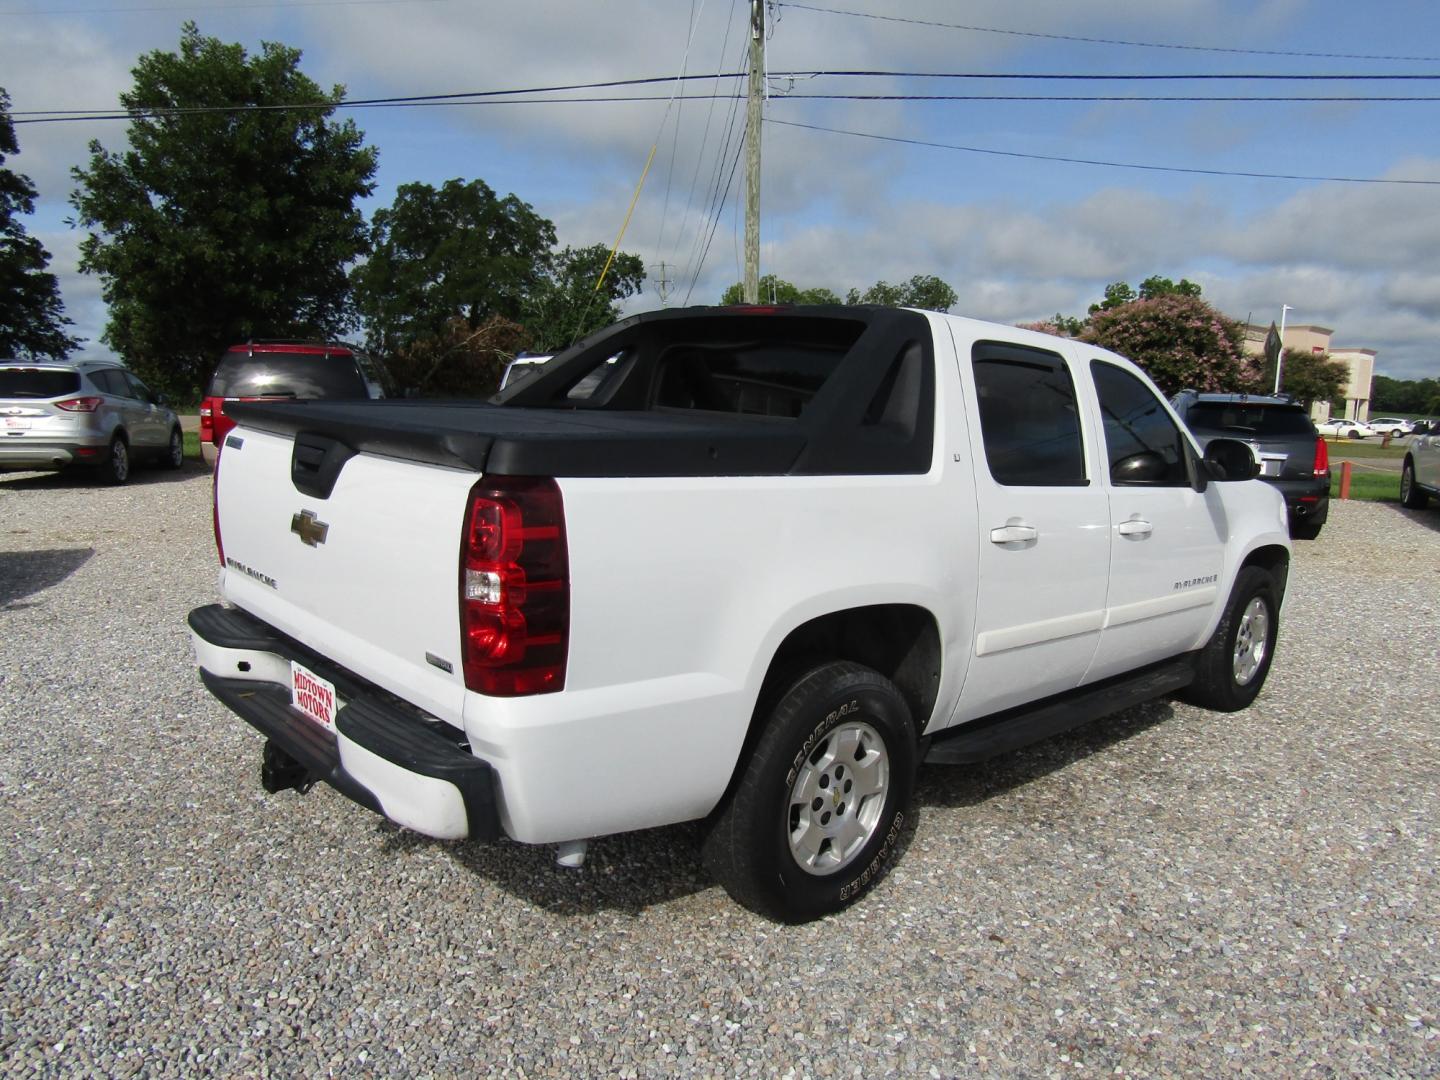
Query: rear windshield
x,y
298,375
756,366
37,382
1249,419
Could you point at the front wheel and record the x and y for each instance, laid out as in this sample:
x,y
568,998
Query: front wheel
x,y
816,811
1412,497
1232,666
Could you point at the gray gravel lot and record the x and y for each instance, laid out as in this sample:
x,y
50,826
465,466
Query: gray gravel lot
x,y
1165,893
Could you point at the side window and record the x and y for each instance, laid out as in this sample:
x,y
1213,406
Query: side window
x,y
1028,416
137,388
110,382
1144,445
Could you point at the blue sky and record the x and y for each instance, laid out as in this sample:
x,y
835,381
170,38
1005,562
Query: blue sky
x,y
1018,239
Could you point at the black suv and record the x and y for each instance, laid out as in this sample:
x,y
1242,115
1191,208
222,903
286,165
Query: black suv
x,y
1292,454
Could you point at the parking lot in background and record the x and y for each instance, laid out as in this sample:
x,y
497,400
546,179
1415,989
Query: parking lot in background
x,y
1165,892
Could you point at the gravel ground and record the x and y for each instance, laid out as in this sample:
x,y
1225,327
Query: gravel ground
x,y
1164,893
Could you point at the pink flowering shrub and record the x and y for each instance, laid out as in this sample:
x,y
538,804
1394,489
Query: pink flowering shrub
x,y
1180,341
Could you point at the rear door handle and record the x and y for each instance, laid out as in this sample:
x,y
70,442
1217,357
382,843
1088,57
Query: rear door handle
x,y
1135,527
1013,534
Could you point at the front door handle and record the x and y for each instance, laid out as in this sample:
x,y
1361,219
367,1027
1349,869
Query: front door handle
x,y
1135,527
1013,534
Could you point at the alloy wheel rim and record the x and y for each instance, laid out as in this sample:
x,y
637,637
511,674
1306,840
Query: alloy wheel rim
x,y
120,461
837,798
1252,641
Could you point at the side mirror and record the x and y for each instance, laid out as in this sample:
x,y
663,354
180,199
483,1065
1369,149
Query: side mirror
x,y
1231,459
161,399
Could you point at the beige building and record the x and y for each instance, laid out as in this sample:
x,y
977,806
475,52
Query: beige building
x,y
1316,339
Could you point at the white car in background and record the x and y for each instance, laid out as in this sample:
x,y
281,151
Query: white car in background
x,y
1392,426
1341,428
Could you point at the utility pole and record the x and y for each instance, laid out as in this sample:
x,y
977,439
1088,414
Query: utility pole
x,y
752,152
662,285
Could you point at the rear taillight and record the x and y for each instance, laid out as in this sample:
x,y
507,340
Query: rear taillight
x,y
207,420
514,587
80,404
1322,457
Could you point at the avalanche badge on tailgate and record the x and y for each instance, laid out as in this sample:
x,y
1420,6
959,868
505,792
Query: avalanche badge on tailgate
x,y
308,528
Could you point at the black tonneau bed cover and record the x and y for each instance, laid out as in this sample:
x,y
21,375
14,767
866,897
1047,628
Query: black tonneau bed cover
x,y
680,392
506,440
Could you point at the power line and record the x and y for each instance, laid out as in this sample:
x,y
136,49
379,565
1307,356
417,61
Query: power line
x,y
179,8
1108,97
452,100
422,99
700,158
700,265
1106,164
1110,76
463,96
1103,41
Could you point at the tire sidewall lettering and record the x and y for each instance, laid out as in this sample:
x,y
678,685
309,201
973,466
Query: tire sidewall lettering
x,y
854,888
807,748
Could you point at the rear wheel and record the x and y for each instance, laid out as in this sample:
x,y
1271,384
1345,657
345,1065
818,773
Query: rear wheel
x,y
1412,497
117,464
815,813
175,455
1232,667
1304,530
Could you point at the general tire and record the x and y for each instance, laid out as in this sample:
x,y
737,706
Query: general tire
x,y
1232,667
829,782
1305,530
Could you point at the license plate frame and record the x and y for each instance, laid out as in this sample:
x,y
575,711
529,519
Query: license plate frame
x,y
313,696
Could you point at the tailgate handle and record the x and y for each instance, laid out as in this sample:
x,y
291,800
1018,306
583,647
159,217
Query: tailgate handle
x,y
315,463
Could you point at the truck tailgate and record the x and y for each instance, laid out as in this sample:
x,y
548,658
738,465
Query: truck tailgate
x,y
368,576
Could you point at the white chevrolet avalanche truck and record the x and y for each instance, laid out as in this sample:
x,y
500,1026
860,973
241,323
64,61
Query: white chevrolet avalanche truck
x,y
745,565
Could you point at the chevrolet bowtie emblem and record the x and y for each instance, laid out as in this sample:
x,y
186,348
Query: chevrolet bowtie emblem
x,y
311,531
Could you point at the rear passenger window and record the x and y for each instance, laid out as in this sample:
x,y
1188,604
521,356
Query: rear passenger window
x,y
111,382
1028,416
1144,444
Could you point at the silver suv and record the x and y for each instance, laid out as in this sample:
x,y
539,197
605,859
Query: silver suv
x,y
92,412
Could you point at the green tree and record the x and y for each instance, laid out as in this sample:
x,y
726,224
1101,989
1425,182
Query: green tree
x,y
456,252
1389,395
1180,341
1309,377
231,215
565,305
774,290
1156,286
31,315
457,360
921,291
1119,293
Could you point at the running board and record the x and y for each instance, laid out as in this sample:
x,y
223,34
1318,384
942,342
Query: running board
x,y
986,738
